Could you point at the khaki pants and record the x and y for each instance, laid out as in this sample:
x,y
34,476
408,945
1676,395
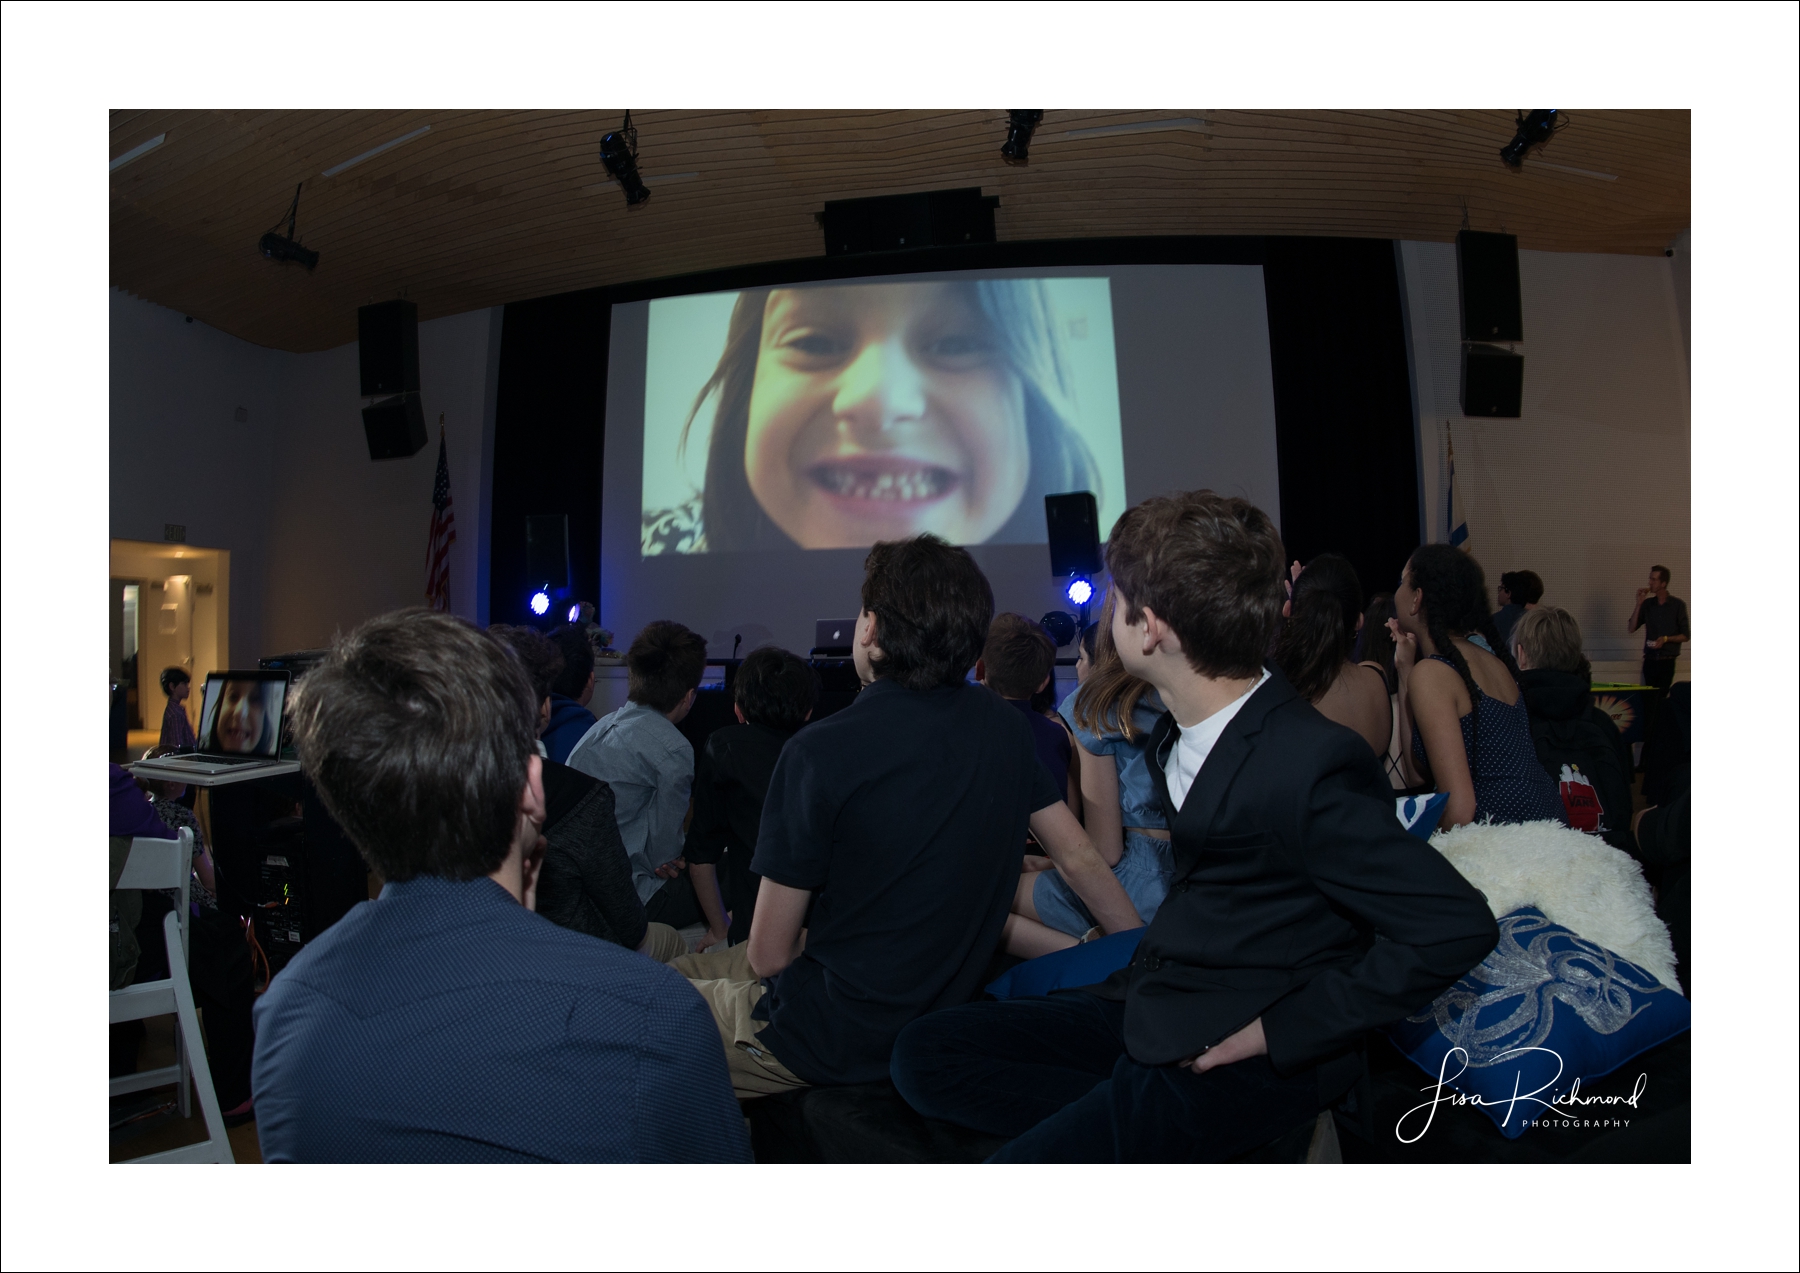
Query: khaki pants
x,y
724,979
663,944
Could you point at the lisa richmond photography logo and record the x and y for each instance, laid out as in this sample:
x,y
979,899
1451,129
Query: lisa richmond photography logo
x,y
1533,1109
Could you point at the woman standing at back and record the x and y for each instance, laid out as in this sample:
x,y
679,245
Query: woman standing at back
x,y
1320,621
1464,721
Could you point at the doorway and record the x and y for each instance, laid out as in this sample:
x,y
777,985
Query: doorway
x,y
169,606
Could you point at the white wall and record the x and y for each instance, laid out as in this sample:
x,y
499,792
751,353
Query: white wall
x,y
1590,486
321,536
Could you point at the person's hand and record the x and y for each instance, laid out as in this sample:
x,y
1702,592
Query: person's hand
x,y
670,869
1642,593
711,938
1241,1046
1035,863
1406,647
529,873
1656,643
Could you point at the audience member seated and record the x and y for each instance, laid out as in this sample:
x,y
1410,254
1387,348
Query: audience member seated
x,y
1110,713
177,730
774,692
1461,714
1518,591
445,1021
1664,836
1291,865
1577,744
1375,647
1668,751
639,753
1017,662
1321,618
1084,652
218,960
585,882
889,848
570,692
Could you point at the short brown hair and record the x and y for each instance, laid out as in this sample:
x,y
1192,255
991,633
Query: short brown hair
x,y
1663,571
665,661
1018,655
1552,639
1211,567
933,606
537,654
417,731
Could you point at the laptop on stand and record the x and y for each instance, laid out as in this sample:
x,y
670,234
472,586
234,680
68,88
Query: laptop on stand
x,y
241,717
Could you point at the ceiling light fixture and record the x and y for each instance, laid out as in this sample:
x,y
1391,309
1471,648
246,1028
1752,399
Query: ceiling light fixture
x,y
1019,127
1533,130
370,154
137,152
277,248
618,151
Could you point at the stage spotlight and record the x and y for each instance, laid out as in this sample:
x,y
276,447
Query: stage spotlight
x,y
1061,626
278,248
574,615
618,151
1080,591
1019,127
540,602
1533,130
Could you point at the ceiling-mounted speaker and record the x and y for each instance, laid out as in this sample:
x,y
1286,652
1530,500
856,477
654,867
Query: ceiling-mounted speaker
x,y
395,427
387,348
888,223
1487,285
1493,381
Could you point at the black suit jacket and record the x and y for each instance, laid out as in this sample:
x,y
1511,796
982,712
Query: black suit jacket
x,y
585,882
1297,897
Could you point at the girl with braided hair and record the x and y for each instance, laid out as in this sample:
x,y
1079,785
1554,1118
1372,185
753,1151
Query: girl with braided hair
x,y
1463,721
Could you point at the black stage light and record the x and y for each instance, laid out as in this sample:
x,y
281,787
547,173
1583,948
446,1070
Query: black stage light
x,y
1019,127
618,151
283,248
1533,130
1061,626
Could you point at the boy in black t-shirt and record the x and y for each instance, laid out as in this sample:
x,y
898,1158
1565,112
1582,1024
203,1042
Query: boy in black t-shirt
x,y
773,692
889,844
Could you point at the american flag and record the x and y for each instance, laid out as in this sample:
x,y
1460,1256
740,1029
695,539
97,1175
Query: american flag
x,y
443,531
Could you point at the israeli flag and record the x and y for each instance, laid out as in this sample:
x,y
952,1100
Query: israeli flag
x,y
1454,517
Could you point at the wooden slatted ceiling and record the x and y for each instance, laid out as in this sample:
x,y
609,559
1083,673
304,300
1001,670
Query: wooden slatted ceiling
x,y
497,206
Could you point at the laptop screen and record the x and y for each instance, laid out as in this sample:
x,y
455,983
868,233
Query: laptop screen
x,y
240,714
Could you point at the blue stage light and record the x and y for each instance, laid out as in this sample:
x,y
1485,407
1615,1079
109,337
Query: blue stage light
x,y
1080,591
575,613
540,603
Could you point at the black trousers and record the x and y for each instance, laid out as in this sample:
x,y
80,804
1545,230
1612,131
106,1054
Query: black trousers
x,y
1659,672
1053,1074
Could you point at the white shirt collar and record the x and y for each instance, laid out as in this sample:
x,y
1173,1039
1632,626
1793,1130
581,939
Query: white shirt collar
x,y
1196,743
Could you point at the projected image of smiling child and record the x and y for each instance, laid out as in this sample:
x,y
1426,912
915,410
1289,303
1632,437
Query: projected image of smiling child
x,y
851,413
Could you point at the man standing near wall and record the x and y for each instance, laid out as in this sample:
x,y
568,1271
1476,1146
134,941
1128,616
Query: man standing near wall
x,y
1664,620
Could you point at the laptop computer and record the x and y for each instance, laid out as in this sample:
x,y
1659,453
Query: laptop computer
x,y
832,637
240,723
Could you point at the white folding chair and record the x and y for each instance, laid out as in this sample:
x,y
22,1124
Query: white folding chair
x,y
159,864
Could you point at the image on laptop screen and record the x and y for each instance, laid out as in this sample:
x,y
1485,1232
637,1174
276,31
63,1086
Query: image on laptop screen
x,y
241,713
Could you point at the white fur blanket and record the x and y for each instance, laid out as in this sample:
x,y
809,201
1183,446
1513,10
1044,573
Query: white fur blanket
x,y
1577,880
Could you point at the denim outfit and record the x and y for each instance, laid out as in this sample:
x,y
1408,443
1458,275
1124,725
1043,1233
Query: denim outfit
x,y
1145,867
650,767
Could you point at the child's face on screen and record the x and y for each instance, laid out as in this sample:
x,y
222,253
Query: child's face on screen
x,y
240,724
883,411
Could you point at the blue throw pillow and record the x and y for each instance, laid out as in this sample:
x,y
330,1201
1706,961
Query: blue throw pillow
x,y
1545,1012
1085,965
1420,814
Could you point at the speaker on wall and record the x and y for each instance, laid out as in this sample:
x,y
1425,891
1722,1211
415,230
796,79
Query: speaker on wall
x,y
547,549
1493,381
387,348
886,223
1073,525
395,427
1487,283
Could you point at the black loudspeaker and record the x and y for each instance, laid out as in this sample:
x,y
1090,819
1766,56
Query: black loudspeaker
x,y
395,427
387,348
1487,283
1493,381
936,218
547,550
1073,524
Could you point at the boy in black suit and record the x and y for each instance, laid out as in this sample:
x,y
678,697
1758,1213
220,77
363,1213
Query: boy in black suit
x,y
1242,1012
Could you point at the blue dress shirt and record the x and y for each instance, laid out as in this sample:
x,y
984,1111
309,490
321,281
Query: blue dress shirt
x,y
444,1022
650,767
